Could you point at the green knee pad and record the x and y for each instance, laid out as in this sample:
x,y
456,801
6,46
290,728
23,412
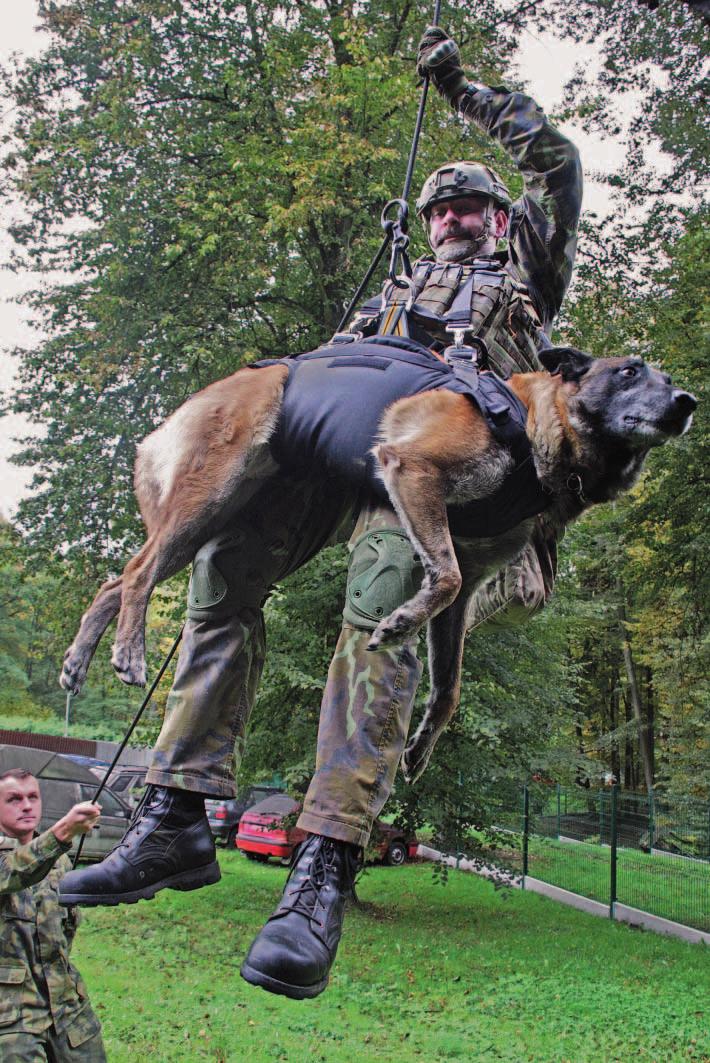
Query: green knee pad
x,y
384,573
228,574
208,587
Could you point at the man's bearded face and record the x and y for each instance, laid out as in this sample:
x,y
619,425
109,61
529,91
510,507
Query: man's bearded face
x,y
462,228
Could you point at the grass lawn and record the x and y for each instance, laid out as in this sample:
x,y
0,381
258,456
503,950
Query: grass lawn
x,y
664,885
425,971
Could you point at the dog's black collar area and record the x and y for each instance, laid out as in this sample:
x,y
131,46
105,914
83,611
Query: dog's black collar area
x,y
334,401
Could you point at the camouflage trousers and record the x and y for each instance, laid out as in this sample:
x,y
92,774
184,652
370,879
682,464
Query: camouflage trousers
x,y
21,1047
368,698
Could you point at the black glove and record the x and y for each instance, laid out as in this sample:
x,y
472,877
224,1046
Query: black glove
x,y
439,57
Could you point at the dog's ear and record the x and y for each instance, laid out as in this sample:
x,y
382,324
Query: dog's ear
x,y
570,363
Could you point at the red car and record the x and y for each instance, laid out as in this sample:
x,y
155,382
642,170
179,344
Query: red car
x,y
263,833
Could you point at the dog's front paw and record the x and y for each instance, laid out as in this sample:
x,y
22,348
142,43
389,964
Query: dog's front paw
x,y
74,670
129,664
417,754
414,762
396,627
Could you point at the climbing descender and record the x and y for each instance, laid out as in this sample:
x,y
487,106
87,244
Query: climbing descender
x,y
396,228
394,320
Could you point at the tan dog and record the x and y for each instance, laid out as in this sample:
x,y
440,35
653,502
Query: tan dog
x,y
590,425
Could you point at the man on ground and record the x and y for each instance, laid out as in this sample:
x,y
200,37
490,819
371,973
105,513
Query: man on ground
x,y
45,1012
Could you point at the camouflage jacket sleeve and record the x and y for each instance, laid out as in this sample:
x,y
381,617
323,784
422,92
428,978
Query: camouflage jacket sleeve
x,y
24,865
543,224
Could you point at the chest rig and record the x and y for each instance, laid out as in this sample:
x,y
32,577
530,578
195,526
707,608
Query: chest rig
x,y
476,312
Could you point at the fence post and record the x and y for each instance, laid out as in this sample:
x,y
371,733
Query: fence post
x,y
612,865
651,821
600,816
526,829
558,812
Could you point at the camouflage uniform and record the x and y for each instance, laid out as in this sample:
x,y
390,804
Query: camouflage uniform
x,y
44,1006
368,698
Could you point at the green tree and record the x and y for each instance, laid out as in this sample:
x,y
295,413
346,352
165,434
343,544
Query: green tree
x,y
209,176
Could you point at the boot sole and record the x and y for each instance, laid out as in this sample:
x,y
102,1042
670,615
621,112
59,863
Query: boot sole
x,y
284,989
184,880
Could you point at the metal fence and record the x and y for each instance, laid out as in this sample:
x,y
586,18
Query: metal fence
x,y
619,848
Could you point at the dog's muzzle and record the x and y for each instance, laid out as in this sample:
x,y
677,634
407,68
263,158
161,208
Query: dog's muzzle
x,y
683,405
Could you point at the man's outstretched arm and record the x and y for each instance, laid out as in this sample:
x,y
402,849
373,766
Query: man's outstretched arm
x,y
543,225
24,865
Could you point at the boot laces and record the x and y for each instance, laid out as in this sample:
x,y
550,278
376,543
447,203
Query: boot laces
x,y
143,805
306,897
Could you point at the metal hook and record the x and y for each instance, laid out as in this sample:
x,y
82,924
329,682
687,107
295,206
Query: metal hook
x,y
396,229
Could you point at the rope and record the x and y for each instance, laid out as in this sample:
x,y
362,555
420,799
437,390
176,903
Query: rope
x,y
396,228
131,729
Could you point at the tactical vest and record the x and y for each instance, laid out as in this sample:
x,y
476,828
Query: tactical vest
x,y
481,298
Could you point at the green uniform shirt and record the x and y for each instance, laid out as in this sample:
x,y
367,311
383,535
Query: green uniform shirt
x,y
39,987
544,221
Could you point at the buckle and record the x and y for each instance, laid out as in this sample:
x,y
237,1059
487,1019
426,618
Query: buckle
x,y
473,355
344,337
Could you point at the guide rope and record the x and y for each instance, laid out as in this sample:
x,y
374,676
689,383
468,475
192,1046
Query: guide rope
x,y
131,729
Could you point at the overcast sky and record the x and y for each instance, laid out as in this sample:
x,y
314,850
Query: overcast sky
x,y
545,63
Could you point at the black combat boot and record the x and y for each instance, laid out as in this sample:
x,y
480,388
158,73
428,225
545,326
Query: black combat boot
x,y
294,952
168,844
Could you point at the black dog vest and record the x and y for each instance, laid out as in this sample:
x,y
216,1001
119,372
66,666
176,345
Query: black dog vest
x,y
334,400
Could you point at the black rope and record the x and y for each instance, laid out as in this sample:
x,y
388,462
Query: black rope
x,y
131,729
396,228
420,118
365,281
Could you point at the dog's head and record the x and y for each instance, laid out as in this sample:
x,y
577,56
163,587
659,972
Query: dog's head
x,y
622,399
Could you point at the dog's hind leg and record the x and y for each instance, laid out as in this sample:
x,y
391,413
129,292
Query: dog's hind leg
x,y
94,622
163,555
446,641
192,475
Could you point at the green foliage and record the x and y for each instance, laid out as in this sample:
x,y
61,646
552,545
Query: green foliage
x,y
210,174
649,552
652,63
208,177
423,972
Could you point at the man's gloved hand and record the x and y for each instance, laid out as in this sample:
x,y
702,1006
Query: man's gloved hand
x,y
439,57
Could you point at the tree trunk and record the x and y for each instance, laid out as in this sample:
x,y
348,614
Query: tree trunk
x,y
650,715
629,765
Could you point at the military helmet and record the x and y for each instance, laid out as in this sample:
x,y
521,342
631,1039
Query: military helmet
x,y
457,179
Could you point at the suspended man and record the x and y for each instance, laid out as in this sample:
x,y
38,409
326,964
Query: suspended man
x,y
503,304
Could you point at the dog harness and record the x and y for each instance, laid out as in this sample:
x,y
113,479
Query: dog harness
x,y
334,400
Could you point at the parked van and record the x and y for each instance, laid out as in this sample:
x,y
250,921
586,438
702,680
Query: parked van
x,y
63,783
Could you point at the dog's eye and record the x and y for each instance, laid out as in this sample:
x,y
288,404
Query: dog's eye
x,y
628,371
